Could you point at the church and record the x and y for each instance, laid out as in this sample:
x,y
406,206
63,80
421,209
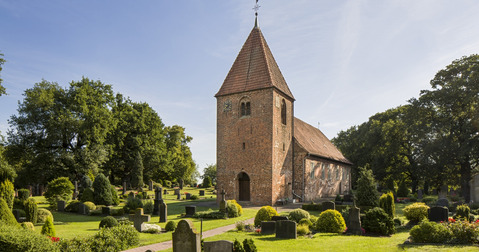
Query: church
x,y
264,154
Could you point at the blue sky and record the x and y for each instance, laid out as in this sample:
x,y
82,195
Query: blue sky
x,y
343,60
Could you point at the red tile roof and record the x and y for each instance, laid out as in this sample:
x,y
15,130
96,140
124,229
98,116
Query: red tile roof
x,y
315,142
254,68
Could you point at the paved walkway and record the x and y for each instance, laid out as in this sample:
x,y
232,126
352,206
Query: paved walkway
x,y
209,233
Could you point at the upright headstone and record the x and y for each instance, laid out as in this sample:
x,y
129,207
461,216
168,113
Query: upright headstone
x,y
82,209
218,246
223,201
165,192
354,225
181,184
190,211
286,229
138,218
202,192
442,202
61,205
106,210
438,213
178,196
474,185
188,196
124,187
268,227
157,201
177,191
185,238
150,185
419,194
163,212
443,192
328,205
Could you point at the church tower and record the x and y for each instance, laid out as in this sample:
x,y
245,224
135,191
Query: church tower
x,y
255,128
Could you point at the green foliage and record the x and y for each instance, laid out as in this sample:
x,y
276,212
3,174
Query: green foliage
x,y
237,246
264,214
430,232
27,225
240,225
248,245
114,196
464,232
2,88
298,214
48,229
148,207
90,205
59,189
378,221
31,210
210,171
23,194
102,190
132,203
303,229
403,190
7,192
386,202
170,226
6,170
463,212
137,172
108,222
207,182
194,197
416,212
87,195
306,222
6,215
366,192
312,207
43,215
429,200
233,208
18,239
210,214
330,221
73,206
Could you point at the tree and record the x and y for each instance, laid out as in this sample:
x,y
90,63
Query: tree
x,y
210,171
2,88
60,188
366,193
102,190
137,176
180,164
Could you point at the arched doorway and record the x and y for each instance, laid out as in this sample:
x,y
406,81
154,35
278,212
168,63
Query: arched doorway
x,y
244,188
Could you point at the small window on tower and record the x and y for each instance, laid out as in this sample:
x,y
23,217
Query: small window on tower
x,y
245,108
283,112
244,146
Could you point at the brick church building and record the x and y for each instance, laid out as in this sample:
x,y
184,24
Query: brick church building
x,y
264,153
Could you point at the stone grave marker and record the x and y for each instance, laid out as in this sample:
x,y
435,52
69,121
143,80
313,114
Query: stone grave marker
x,y
181,184
157,201
178,196
185,238
223,201
40,190
328,205
177,191
76,192
354,225
438,213
61,204
163,211
106,210
443,202
190,211
188,196
218,246
82,209
474,191
279,218
165,192
419,194
268,227
202,192
286,229
150,185
138,218
124,187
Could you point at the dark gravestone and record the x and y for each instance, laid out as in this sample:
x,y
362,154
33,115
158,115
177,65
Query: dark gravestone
x,y
124,188
419,194
61,205
150,185
190,211
442,202
178,196
177,191
163,211
181,184
354,225
279,218
268,227
438,213
328,205
82,209
185,238
165,192
218,246
223,201
106,210
138,218
286,229
158,200
188,196
202,192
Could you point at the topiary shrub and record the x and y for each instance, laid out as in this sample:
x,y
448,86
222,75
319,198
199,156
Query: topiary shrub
x,y
102,190
6,215
43,214
73,206
148,207
378,221
207,182
366,192
429,200
132,203
31,210
48,229
90,205
306,222
170,226
237,246
87,195
23,194
430,232
7,192
463,212
464,232
234,209
302,229
27,225
194,197
248,245
264,214
386,202
59,189
330,221
16,239
114,196
416,212
298,214
108,222
403,190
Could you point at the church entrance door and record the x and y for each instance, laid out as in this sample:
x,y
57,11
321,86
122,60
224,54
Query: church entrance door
x,y
244,187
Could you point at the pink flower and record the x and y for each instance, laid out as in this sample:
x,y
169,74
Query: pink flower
x,y
55,239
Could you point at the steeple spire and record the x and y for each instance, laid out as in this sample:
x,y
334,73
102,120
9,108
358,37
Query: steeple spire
x,y
256,8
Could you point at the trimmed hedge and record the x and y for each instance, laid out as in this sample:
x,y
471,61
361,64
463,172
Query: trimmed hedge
x,y
386,202
298,214
416,212
31,210
17,239
87,195
7,192
6,215
430,232
48,229
170,226
108,222
23,194
378,221
43,214
102,190
210,214
330,221
234,209
264,214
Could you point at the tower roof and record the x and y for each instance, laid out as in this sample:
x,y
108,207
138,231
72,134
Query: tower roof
x,y
254,68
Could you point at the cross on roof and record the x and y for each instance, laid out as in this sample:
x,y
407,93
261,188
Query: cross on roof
x,y
138,218
256,8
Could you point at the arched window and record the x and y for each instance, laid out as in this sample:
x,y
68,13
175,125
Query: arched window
x,y
245,108
283,112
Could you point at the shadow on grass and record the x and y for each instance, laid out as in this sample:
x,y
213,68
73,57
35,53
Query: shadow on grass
x,y
437,246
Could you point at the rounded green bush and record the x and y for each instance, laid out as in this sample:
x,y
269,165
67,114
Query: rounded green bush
x,y
102,190
331,221
43,214
23,194
416,212
5,214
464,232
13,238
264,214
403,190
386,202
108,222
27,225
114,196
378,221
90,205
234,209
59,189
87,195
48,229
298,214
148,207
73,206
463,212
430,232
7,192
170,226
302,229
305,221
132,203
31,210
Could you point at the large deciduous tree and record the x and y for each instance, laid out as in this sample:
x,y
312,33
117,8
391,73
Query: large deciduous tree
x,y
2,88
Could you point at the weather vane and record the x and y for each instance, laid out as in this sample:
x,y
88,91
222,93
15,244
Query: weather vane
x,y
256,8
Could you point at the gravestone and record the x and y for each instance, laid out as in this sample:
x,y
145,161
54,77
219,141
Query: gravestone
x,y
419,194
268,227
438,213
202,192
177,191
443,202
286,229
150,185
474,191
163,211
165,192
223,201
82,209
106,210
354,225
328,205
181,184
190,211
185,238
61,205
124,187
279,218
218,246
158,200
178,196
76,192
138,218
40,190
443,192
188,196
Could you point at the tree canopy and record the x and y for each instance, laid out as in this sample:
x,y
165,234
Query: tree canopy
x,y
2,88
